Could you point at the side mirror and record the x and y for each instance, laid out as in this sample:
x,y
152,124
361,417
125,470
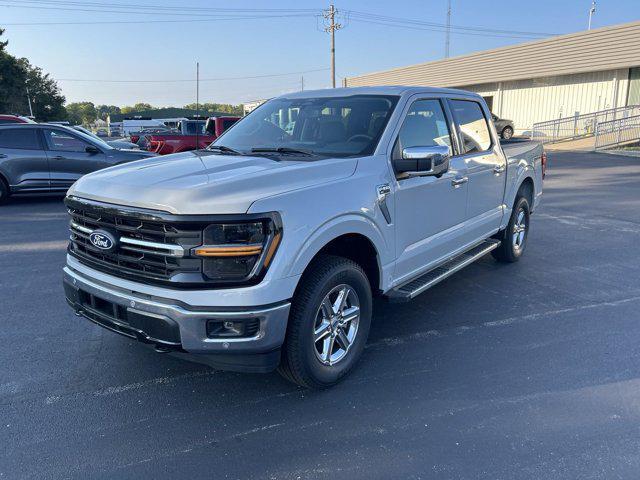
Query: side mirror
x,y
423,161
92,149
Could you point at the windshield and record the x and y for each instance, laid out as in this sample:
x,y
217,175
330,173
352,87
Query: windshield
x,y
332,126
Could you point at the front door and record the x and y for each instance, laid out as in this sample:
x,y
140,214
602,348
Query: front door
x,y
429,210
486,169
23,160
69,159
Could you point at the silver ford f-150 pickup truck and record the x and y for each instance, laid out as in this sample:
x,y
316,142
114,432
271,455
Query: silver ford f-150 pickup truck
x,y
264,250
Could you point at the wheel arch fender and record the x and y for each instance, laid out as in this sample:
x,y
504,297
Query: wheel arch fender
x,y
350,225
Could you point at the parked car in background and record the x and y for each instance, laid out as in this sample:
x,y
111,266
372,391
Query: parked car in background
x,y
264,250
191,135
218,125
14,119
119,144
504,127
40,158
136,136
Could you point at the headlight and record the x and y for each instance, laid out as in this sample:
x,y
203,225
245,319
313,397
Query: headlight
x,y
239,251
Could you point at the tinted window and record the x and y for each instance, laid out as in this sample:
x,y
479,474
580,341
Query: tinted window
x,y
24,138
473,125
424,126
193,128
64,142
227,123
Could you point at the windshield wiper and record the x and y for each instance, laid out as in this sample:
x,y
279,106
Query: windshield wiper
x,y
283,150
223,149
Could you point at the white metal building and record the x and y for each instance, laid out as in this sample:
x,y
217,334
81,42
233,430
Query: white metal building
x,y
541,80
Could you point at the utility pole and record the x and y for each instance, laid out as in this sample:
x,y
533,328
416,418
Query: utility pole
x,y
592,10
448,32
302,83
29,100
330,28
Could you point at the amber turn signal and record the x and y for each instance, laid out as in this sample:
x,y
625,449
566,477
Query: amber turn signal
x,y
230,251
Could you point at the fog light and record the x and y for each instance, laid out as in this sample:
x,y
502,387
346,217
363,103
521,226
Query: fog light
x,y
233,328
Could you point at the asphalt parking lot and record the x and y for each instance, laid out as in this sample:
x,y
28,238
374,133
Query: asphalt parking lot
x,y
529,370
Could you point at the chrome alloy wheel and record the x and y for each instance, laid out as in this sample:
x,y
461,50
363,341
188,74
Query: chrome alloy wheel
x,y
336,324
519,230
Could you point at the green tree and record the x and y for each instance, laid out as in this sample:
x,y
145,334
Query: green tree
x,y
82,113
216,108
138,107
17,76
105,110
47,102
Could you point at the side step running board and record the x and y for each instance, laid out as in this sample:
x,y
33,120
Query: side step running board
x,y
415,287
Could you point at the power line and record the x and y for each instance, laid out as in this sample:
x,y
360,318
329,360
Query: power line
x,y
187,80
231,14
406,22
156,7
215,13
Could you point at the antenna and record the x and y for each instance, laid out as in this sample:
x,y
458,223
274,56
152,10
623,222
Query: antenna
x,y
197,104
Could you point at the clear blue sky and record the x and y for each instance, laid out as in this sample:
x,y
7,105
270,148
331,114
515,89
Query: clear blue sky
x,y
251,47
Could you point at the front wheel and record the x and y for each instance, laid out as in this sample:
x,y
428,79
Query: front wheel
x,y
507,133
514,237
328,324
4,191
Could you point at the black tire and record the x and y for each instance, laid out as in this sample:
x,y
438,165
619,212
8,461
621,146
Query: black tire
x,y
4,191
507,133
300,361
509,250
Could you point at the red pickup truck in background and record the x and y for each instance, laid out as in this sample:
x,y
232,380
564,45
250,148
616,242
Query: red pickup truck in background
x,y
191,135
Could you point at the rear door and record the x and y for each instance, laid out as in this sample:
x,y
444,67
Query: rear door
x,y
485,168
69,159
23,160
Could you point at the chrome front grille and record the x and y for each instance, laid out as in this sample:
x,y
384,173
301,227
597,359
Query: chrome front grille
x,y
150,247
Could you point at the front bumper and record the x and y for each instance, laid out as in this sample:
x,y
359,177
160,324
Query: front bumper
x,y
175,327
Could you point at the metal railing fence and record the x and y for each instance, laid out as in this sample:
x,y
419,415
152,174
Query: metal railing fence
x,y
617,132
569,128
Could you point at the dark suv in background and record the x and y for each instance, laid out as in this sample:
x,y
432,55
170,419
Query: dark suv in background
x,y
41,158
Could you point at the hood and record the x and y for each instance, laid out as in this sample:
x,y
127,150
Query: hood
x,y
205,183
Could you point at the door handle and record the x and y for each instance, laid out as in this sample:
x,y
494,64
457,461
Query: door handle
x,y
58,157
456,182
2,155
498,169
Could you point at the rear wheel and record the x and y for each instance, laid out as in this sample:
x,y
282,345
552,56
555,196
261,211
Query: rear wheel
x,y
4,191
514,237
507,133
328,324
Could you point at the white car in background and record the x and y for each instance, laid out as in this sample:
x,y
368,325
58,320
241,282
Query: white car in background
x,y
119,144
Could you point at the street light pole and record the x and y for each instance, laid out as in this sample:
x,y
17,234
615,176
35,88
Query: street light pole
x,y
448,31
592,10
29,100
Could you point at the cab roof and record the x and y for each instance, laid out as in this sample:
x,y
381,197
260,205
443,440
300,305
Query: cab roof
x,y
396,90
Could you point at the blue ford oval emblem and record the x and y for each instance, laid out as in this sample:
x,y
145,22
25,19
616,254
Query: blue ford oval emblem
x,y
103,240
